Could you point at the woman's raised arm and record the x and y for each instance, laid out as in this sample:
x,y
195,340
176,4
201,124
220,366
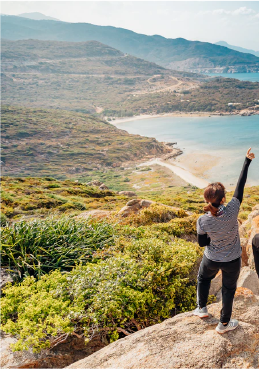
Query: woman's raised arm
x,y
239,191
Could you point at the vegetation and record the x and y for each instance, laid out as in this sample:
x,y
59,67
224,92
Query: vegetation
x,y
141,283
41,246
63,144
100,279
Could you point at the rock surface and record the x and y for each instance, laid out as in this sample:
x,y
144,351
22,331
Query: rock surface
x,y
187,341
64,354
5,278
247,231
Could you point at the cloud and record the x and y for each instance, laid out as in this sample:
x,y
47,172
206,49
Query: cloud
x,y
240,11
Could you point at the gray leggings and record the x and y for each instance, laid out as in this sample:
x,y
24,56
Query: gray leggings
x,y
230,273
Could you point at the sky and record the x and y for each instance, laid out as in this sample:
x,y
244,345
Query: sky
x,y
236,22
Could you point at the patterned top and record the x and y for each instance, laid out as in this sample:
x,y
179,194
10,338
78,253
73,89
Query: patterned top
x,y
223,232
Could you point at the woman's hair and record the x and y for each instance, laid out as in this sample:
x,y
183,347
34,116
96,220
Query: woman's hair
x,y
213,194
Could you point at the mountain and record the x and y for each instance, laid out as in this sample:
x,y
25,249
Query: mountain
x,y
91,77
237,48
177,53
85,76
37,16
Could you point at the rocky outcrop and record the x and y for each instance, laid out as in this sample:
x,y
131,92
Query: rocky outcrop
x,y
72,350
5,277
134,206
187,341
247,231
99,184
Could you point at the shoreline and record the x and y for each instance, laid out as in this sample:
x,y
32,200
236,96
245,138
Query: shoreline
x,y
186,175
181,114
176,114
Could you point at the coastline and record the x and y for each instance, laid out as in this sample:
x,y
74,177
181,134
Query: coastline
x,y
178,114
186,175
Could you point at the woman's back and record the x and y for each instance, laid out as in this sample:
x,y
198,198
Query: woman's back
x,y
223,232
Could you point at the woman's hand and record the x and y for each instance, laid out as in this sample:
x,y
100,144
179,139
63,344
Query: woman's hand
x,y
249,154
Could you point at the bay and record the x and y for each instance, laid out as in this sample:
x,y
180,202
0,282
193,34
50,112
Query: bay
x,y
252,77
227,138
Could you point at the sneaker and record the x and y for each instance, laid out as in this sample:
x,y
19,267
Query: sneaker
x,y
202,313
233,324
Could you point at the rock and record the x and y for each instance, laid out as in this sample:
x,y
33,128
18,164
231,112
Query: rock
x,y
249,279
146,203
73,349
94,183
134,206
216,284
103,187
187,341
133,202
5,278
127,193
97,214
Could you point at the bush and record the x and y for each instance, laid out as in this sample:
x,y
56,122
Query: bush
x,y
3,220
39,246
154,214
146,284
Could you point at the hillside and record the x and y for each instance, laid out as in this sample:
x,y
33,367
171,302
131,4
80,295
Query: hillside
x,y
171,53
237,48
94,78
62,144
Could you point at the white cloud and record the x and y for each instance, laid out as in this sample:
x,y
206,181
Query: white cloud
x,y
240,11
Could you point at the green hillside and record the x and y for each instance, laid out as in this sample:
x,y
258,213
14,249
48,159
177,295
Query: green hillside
x,y
94,78
62,144
158,49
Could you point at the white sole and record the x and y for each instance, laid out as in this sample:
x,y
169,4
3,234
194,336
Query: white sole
x,y
227,330
202,316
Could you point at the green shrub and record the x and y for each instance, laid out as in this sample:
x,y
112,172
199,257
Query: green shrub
x,y
3,220
39,246
146,284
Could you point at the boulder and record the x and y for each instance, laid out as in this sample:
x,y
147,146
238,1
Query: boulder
x,y
5,277
103,187
134,206
73,349
249,279
94,183
128,193
216,284
97,214
187,341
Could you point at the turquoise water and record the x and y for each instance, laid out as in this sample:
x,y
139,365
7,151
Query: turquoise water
x,y
227,138
253,77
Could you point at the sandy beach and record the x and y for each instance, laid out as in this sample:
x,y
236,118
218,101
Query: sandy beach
x,y
176,114
187,176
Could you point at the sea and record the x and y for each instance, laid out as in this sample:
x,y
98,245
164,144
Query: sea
x,y
225,137
252,77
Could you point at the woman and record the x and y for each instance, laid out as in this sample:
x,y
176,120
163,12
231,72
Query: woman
x,y
255,245
218,231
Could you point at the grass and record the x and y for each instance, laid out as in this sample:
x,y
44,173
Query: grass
x,y
40,246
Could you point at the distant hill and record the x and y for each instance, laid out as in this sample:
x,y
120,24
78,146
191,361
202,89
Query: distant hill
x,y
94,78
40,142
37,16
237,48
177,53
85,76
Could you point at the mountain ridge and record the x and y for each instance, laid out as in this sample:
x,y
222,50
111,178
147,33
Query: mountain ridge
x,y
180,54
